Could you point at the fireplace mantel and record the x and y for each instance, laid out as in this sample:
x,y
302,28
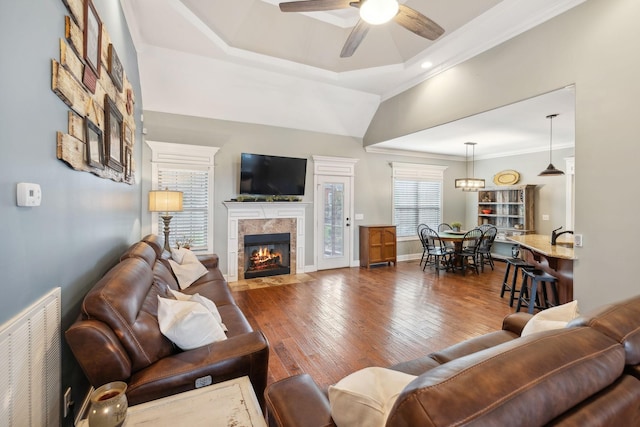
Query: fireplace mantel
x,y
239,211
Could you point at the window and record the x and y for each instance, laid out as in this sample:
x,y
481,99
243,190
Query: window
x,y
189,169
193,222
417,197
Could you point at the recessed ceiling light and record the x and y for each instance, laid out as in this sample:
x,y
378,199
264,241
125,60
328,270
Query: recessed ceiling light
x,y
427,64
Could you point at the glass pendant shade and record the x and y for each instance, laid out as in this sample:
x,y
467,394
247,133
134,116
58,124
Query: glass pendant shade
x,y
376,12
551,170
470,184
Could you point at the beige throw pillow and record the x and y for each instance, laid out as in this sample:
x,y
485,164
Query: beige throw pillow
x,y
188,324
206,302
364,398
178,254
189,271
551,318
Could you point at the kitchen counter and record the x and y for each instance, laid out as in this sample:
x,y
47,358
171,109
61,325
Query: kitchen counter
x,y
541,243
556,260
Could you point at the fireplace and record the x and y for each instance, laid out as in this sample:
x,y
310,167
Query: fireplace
x,y
244,218
267,255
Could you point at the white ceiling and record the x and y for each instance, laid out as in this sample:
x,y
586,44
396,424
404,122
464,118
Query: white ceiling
x,y
244,60
514,129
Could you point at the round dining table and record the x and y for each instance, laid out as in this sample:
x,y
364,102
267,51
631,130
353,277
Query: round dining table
x,y
455,237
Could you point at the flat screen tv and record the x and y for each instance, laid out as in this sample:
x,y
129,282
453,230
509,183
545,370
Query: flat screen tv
x,y
272,175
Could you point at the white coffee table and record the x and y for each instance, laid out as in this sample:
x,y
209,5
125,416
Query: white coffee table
x,y
231,403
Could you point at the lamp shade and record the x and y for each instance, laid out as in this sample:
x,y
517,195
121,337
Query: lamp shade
x,y
551,170
376,12
165,201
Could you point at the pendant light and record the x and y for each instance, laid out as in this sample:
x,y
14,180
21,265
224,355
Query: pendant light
x,y
470,184
551,170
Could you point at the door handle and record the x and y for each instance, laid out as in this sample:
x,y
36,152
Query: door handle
x,y
347,224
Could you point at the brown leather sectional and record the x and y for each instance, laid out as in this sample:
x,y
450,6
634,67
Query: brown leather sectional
x,y
587,374
117,337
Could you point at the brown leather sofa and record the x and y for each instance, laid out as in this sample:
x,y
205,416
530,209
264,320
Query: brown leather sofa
x,y
587,374
117,337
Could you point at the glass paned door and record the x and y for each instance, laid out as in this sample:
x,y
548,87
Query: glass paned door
x,y
334,222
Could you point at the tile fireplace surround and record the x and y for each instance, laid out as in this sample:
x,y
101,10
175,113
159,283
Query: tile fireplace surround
x,y
260,218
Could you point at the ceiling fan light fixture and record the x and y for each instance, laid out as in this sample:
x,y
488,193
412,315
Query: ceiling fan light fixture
x,y
376,12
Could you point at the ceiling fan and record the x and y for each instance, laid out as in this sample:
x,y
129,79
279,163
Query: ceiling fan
x,y
372,12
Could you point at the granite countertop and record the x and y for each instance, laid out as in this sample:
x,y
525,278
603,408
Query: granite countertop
x,y
541,243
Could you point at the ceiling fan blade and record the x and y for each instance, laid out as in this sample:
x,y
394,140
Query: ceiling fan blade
x,y
313,5
417,23
355,38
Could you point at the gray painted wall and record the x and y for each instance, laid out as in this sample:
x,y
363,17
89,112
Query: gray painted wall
x,y
372,181
591,46
373,189
550,191
84,222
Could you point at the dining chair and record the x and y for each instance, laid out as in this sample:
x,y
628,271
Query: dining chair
x,y
486,243
468,253
485,227
446,227
437,254
422,241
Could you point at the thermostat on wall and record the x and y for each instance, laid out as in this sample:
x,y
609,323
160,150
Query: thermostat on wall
x,y
29,194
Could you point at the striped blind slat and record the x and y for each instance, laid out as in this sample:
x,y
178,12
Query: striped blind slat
x,y
192,222
416,202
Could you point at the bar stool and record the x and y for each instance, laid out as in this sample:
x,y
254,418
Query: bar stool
x,y
538,278
517,263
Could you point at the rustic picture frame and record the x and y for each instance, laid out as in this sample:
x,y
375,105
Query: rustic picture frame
x,y
128,158
94,144
92,38
115,68
127,134
113,135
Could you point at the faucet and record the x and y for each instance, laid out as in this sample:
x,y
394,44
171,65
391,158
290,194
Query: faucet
x,y
555,235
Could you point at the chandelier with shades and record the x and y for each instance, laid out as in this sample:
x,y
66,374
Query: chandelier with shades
x,y
470,184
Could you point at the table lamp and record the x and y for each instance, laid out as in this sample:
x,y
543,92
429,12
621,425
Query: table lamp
x,y
165,201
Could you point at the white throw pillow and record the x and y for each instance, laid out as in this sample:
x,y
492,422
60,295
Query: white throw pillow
x,y
189,271
178,254
365,397
551,318
188,324
206,302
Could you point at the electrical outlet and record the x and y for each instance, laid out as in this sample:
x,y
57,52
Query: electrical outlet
x,y
577,240
67,403
545,217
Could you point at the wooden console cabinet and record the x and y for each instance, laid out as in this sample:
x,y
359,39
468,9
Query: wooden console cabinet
x,y
377,244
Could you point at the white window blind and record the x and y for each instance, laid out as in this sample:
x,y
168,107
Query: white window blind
x,y
193,222
190,169
417,197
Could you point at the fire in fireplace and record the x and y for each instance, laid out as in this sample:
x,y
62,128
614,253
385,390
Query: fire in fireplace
x,y
267,255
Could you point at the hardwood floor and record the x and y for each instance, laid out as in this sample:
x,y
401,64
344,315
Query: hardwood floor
x,y
347,319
